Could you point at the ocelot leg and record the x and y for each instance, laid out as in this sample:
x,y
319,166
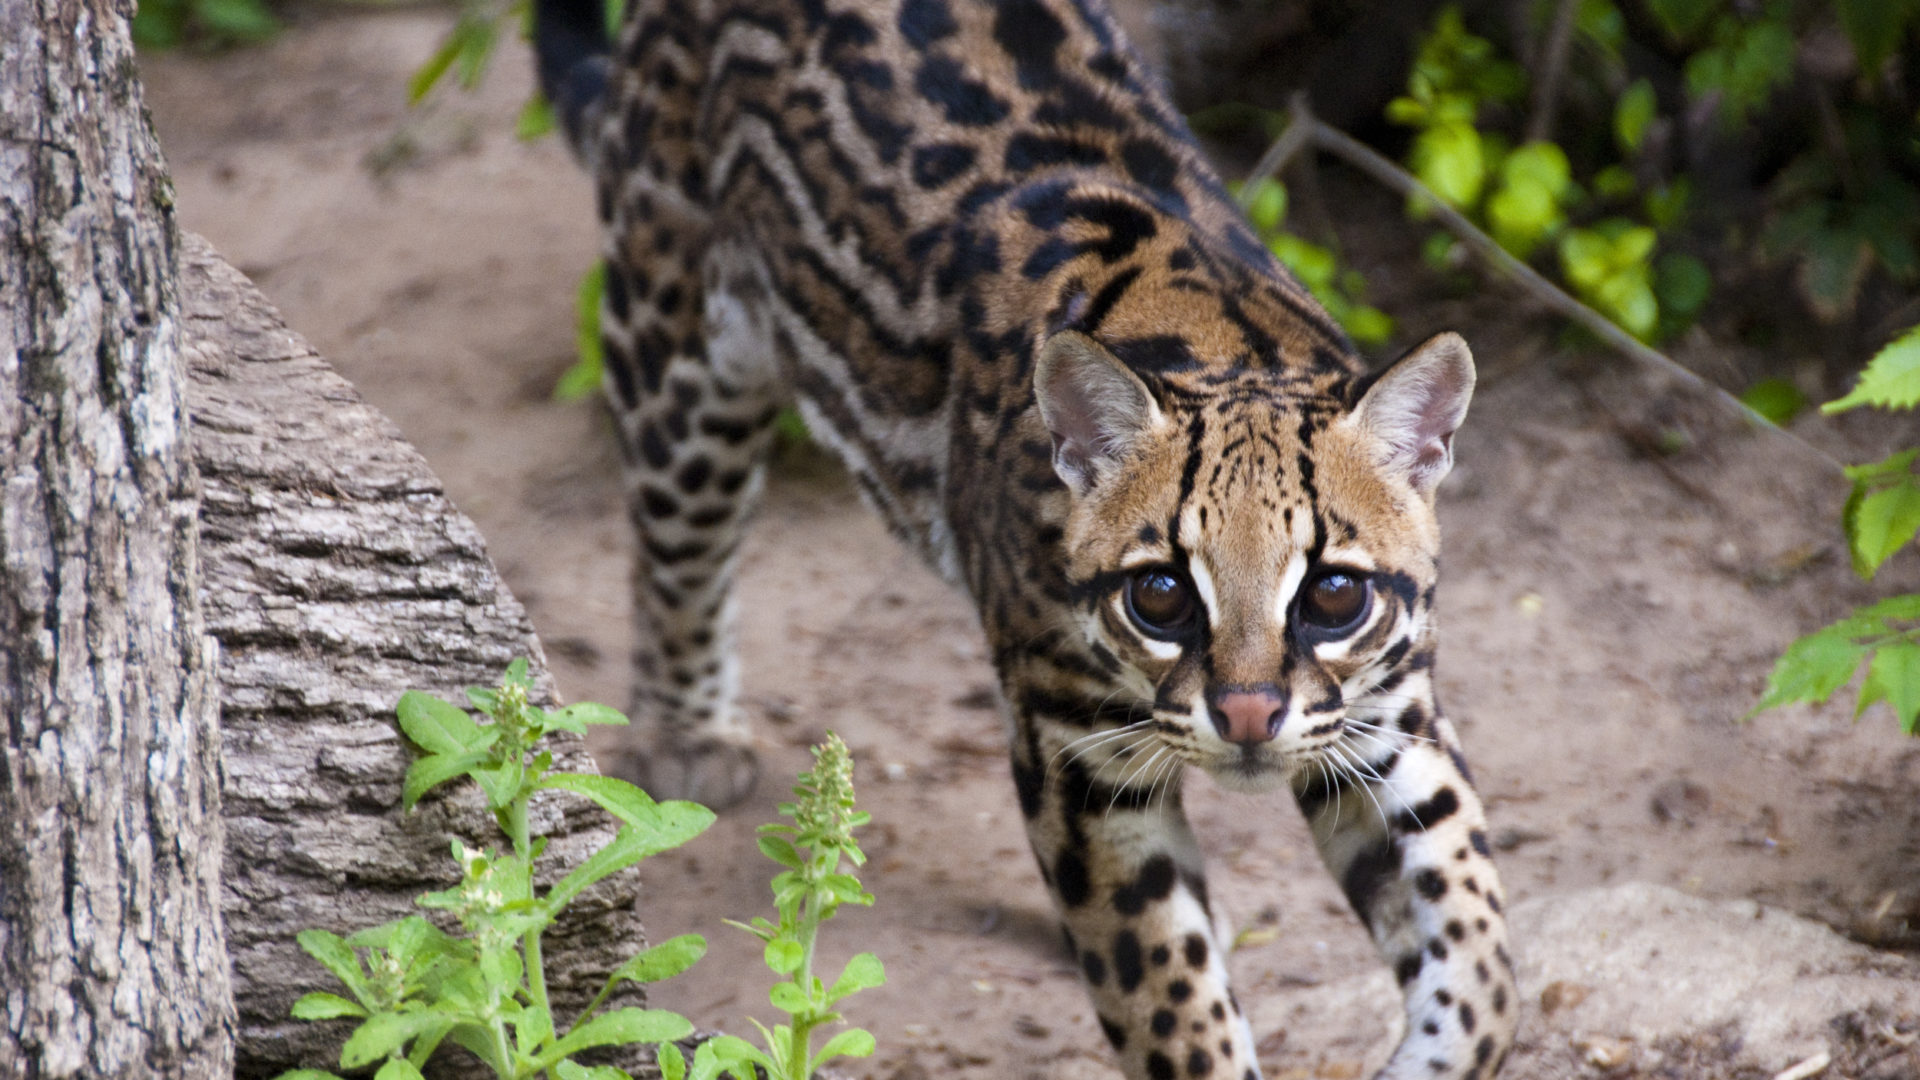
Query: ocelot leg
x,y
1125,873
695,395
1403,832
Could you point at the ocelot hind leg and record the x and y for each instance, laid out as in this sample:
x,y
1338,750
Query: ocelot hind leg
x,y
694,390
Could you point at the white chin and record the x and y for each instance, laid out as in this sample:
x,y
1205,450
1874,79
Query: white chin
x,y
1253,776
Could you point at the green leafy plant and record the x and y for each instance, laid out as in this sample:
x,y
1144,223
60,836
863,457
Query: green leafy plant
x,y
1882,516
413,986
810,887
1339,290
1527,196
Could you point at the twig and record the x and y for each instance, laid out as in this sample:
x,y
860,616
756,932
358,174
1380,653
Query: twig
x,y
1282,152
1553,64
1320,135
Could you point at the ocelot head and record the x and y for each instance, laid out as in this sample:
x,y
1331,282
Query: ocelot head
x,y
1257,548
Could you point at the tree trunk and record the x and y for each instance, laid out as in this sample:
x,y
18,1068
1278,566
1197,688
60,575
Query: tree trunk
x,y
337,576
112,954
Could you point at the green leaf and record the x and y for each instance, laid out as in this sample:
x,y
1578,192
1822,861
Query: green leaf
x,y
1811,669
501,783
319,1006
398,1069
863,972
590,713
853,1042
780,850
616,796
619,1027
731,1051
535,119
1682,283
784,955
1891,380
429,772
673,1064
307,1074
429,73
584,376
1267,206
384,1033
1632,115
788,999
338,957
1883,522
665,960
533,1030
1894,677
567,1069
1778,400
436,726
1450,159
674,824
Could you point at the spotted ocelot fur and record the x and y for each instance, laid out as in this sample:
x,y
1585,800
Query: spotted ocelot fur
x,y
975,245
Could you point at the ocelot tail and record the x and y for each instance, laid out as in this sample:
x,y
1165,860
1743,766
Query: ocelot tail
x,y
975,245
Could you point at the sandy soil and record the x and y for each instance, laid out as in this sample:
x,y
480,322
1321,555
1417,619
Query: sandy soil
x,y
1610,615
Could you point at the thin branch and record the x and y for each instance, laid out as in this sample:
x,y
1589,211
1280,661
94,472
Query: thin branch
x,y
1553,65
1320,135
1281,154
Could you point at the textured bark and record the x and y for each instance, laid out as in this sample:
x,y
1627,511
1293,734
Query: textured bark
x,y
112,961
337,575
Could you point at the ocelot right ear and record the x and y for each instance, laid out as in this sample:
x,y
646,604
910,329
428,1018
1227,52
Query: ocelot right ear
x,y
1093,406
1415,406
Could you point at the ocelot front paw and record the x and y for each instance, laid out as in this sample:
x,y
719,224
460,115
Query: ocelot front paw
x,y
714,772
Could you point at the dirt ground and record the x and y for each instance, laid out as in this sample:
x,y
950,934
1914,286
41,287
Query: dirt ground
x,y
1610,614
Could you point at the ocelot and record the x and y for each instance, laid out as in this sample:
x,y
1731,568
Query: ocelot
x,y
972,241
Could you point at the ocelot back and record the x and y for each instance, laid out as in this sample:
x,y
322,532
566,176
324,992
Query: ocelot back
x,y
975,244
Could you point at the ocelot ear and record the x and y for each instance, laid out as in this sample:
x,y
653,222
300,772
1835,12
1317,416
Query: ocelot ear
x,y
1094,407
1416,405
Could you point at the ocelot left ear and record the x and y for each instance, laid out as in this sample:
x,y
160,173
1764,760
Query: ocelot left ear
x,y
1094,407
1416,405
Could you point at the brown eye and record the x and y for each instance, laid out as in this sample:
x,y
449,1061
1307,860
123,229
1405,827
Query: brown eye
x,y
1160,601
1336,601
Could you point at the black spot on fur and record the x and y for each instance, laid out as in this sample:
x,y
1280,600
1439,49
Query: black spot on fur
x,y
1467,1020
1159,1067
1199,1062
1368,874
1154,882
1179,990
1430,884
1126,961
1163,1022
1160,956
943,81
939,164
1031,35
923,22
1478,838
1070,878
1196,949
1443,805
1407,968
1116,1034
1095,967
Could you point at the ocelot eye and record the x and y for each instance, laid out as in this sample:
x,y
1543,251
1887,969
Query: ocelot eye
x,y
1160,601
1335,602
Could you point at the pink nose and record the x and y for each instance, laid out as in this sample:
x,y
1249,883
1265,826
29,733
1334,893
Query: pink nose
x,y
1249,717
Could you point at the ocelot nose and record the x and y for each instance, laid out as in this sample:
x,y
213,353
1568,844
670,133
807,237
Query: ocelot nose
x,y
1248,716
